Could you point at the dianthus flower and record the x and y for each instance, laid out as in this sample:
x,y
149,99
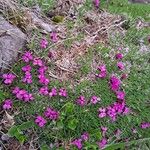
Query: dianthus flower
x,y
7,104
104,130
81,101
119,56
145,125
26,68
38,62
43,80
63,92
27,57
85,136
53,92
111,112
102,112
43,43
40,121
120,65
102,143
42,69
27,78
51,114
44,90
124,76
8,78
97,2
115,83
94,99
77,143
103,71
54,37
120,95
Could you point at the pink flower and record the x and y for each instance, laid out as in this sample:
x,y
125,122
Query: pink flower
x,y
54,37
26,68
8,78
43,43
118,133
111,112
102,112
94,99
119,56
53,92
120,65
40,121
97,3
103,71
85,136
27,78
81,101
44,90
145,125
38,62
42,69
51,114
43,80
102,143
126,111
77,143
115,83
16,90
27,57
63,92
104,129
27,97
120,95
124,76
7,104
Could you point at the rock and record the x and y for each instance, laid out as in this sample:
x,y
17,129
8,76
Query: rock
x,y
140,1
12,40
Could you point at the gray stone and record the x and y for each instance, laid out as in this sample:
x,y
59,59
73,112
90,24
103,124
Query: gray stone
x,y
12,40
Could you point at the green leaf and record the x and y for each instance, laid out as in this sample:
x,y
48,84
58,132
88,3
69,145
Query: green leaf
x,y
69,107
26,125
72,124
90,146
96,134
44,147
58,19
60,124
12,131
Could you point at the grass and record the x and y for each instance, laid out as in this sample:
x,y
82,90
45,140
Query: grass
x,y
75,120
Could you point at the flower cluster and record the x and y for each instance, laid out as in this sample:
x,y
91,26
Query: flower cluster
x,y
119,56
120,65
40,121
43,43
51,114
78,142
81,101
145,125
27,57
22,94
44,90
8,78
53,92
62,92
54,37
94,99
103,71
102,143
28,77
7,104
115,83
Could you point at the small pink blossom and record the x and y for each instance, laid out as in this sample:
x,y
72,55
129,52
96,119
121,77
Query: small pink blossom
x,y
40,121
120,65
115,83
77,143
63,92
119,56
7,104
44,90
54,37
102,112
53,92
8,78
38,62
51,114
27,57
120,95
111,112
85,136
94,99
26,68
103,71
97,3
27,78
81,101
104,130
102,143
118,133
145,125
42,69
43,80
124,76
126,111
43,43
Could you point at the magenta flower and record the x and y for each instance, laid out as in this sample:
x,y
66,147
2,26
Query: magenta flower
x,y
145,125
42,69
53,92
43,43
26,68
81,101
37,62
124,76
118,133
43,80
120,65
126,111
16,90
27,78
44,90
97,3
102,112
119,56
8,78
102,143
54,37
120,95
27,97
115,83
85,136
40,121
104,130
77,143
111,112
7,104
103,71
51,114
27,57
95,99
63,92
